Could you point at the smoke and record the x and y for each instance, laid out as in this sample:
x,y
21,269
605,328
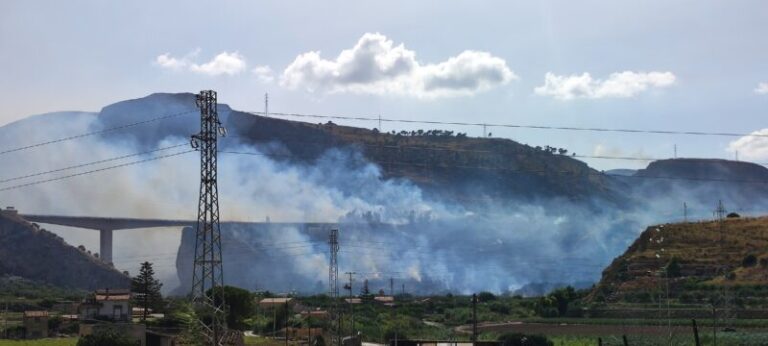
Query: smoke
x,y
388,227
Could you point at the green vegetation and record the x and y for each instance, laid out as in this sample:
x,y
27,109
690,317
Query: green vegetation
x,y
147,290
105,336
40,342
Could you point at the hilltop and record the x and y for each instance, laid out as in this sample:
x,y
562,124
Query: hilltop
x,y
442,163
695,253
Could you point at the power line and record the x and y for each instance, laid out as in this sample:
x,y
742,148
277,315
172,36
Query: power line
x,y
89,163
94,171
93,133
521,170
519,126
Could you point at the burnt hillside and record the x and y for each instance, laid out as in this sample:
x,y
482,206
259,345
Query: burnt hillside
x,y
36,254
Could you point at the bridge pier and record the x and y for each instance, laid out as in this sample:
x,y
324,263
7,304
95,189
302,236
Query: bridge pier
x,y
105,245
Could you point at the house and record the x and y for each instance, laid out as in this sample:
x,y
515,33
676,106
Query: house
x,y
316,314
386,300
269,303
36,324
107,304
353,300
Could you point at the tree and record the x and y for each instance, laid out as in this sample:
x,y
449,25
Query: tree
x,y
749,261
106,336
239,305
485,297
147,289
673,268
364,291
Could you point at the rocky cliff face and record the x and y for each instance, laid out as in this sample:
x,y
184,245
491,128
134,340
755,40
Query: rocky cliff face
x,y
36,254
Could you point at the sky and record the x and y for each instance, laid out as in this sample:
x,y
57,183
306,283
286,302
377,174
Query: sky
x,y
655,65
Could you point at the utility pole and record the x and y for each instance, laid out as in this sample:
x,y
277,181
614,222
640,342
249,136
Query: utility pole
x,y
285,325
685,212
208,268
726,314
266,104
380,129
333,278
351,305
392,286
5,319
474,318
403,289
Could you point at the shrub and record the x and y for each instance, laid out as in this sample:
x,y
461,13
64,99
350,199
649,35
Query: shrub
x,y
749,261
485,297
673,268
519,339
500,308
106,336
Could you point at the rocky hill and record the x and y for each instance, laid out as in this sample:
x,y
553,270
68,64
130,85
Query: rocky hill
x,y
36,254
698,254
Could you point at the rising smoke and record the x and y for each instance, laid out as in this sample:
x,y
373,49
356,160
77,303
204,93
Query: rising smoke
x,y
388,227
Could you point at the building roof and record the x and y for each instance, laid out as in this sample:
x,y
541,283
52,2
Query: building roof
x,y
353,300
35,313
384,299
114,295
276,300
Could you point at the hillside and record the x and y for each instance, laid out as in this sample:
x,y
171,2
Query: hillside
x,y
700,254
441,163
36,254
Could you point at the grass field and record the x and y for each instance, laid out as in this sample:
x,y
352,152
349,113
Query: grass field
x,y
40,342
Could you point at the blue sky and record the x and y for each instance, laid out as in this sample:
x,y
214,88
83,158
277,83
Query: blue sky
x,y
672,65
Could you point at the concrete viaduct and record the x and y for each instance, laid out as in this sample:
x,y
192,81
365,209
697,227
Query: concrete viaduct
x,y
105,226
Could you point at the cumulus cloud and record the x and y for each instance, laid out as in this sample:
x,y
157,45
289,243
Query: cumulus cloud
x,y
263,74
752,147
620,84
225,63
762,89
376,66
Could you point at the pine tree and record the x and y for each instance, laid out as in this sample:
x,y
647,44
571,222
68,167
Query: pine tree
x,y
147,289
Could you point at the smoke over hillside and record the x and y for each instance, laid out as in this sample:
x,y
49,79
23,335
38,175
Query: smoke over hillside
x,y
389,227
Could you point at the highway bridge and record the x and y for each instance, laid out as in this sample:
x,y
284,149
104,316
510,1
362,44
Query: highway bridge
x,y
107,225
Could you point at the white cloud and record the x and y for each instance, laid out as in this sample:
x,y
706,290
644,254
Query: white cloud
x,y
169,62
762,89
263,74
620,84
753,147
376,66
224,63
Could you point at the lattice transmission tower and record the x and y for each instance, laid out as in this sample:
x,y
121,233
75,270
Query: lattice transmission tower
x,y
333,285
208,267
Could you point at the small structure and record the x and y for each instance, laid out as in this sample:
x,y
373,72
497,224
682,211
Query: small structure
x,y
107,304
386,300
315,314
36,324
9,211
270,303
353,300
